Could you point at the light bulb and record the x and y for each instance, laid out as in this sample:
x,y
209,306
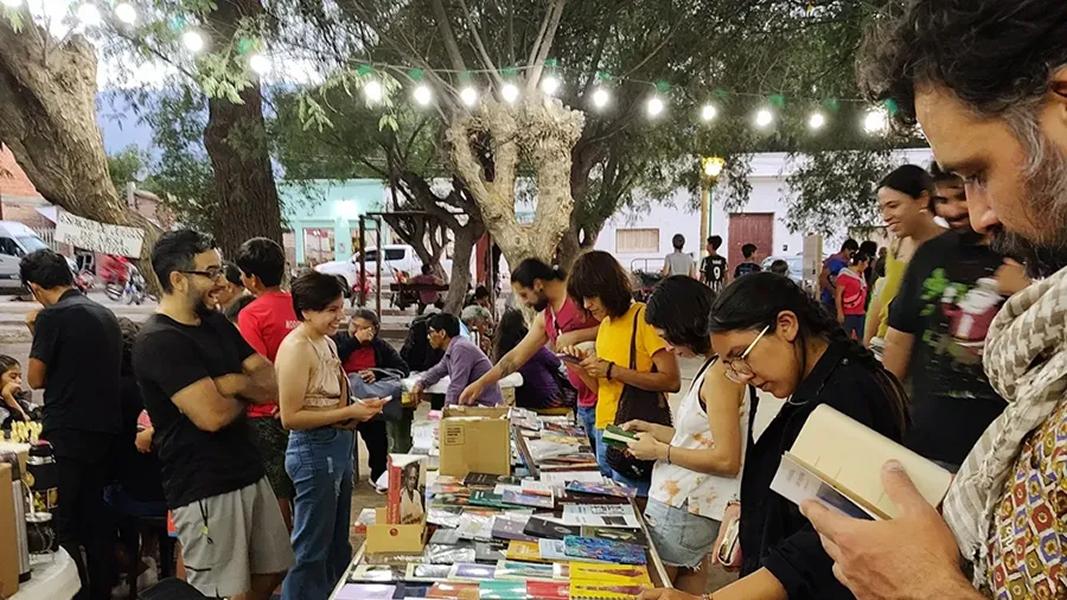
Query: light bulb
x,y
12,3
550,85
193,41
764,117
601,97
125,12
373,91
816,121
510,93
89,15
422,94
708,112
469,96
876,121
259,63
655,106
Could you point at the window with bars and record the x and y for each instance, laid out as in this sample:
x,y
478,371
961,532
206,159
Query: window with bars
x,y
636,240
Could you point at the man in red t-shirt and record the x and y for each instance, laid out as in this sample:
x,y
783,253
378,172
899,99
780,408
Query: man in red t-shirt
x,y
558,323
264,324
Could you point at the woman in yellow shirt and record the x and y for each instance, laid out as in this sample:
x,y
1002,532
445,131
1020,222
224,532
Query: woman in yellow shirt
x,y
600,285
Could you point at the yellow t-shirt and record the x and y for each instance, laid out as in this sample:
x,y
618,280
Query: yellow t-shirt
x,y
613,344
894,276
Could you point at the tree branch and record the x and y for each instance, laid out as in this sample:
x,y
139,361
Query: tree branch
x,y
478,44
448,36
544,44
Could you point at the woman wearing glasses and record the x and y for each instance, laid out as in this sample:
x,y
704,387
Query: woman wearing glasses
x,y
771,335
698,461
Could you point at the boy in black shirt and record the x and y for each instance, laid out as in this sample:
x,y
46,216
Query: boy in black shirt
x,y
197,375
713,268
749,265
76,358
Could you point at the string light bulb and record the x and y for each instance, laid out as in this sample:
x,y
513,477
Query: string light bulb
x,y
259,63
193,41
550,85
373,91
708,112
601,98
422,94
654,107
12,3
89,15
876,121
509,92
125,12
816,121
468,95
764,118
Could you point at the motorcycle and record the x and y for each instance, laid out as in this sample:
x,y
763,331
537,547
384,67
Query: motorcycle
x,y
133,291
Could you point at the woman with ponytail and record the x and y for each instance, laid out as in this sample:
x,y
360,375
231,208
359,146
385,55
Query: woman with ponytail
x,y
771,335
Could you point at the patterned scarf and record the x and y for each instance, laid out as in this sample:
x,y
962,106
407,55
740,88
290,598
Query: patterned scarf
x,y
1026,362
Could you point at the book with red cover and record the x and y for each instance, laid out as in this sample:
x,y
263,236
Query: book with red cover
x,y
548,590
407,489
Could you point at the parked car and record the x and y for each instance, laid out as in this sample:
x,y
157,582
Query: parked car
x,y
16,241
796,266
399,259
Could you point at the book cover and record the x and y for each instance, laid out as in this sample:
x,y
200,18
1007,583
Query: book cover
x,y
523,551
409,591
424,572
520,499
374,573
617,436
511,528
488,499
510,569
447,554
849,456
541,527
605,515
407,488
502,590
563,477
366,591
471,572
618,534
553,550
604,550
610,573
454,590
548,590
619,491
590,590
473,526
490,551
489,480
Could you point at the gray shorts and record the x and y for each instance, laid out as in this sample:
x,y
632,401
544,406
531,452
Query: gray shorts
x,y
230,537
682,538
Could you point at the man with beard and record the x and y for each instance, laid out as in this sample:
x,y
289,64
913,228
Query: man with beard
x,y
559,321
987,81
937,329
198,376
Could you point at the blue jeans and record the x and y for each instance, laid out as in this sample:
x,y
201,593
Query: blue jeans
x,y
854,325
606,470
319,461
587,417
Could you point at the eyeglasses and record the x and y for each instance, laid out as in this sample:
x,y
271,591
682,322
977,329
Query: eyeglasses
x,y
210,272
738,369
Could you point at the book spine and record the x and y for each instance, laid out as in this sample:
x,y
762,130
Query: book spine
x,y
396,475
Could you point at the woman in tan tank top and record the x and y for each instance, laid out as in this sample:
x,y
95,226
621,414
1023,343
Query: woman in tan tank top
x,y
314,402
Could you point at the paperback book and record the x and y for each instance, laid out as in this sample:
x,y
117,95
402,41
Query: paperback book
x,y
604,515
594,489
511,528
618,534
510,569
604,550
542,527
407,489
617,436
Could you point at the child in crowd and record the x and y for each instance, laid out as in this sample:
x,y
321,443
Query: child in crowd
x,y
850,296
16,405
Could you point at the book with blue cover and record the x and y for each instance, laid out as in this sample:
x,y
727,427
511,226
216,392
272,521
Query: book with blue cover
x,y
600,549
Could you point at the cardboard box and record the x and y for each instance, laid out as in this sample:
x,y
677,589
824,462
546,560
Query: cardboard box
x,y
9,558
385,538
475,439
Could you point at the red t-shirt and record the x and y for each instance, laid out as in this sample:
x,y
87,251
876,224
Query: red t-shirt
x,y
362,358
567,319
854,292
264,324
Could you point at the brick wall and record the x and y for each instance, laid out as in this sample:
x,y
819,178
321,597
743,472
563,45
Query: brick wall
x,y
13,180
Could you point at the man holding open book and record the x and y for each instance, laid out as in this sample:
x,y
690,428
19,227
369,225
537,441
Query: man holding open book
x,y
996,114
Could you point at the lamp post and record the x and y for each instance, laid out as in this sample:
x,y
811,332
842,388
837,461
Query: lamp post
x,y
710,167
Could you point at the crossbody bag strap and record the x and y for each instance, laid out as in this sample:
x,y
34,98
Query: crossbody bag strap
x,y
633,342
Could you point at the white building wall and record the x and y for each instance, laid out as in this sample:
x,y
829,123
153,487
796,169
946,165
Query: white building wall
x,y
770,190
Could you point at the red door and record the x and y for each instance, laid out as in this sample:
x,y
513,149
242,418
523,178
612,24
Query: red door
x,y
754,228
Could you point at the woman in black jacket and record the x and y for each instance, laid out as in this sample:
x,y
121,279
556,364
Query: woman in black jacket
x,y
362,353
773,336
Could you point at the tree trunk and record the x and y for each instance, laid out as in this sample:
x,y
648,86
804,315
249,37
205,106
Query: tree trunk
x,y
48,120
462,249
236,142
486,148
569,247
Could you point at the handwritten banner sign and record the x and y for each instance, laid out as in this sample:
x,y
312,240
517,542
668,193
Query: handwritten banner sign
x,y
99,237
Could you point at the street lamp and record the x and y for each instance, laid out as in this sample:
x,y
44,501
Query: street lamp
x,y
711,167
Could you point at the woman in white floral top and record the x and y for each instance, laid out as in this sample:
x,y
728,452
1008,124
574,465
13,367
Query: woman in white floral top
x,y
699,460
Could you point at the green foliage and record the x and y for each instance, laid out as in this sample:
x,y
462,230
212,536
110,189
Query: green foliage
x,y
833,190
127,166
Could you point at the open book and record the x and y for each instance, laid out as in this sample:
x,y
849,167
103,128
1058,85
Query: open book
x,y
838,461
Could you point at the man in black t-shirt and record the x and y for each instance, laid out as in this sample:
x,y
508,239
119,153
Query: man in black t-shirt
x,y
749,265
937,329
197,375
713,268
76,358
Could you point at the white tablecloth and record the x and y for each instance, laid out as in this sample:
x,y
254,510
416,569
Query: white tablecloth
x,y
511,381
54,577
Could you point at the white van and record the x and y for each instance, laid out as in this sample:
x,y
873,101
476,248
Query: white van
x,y
16,241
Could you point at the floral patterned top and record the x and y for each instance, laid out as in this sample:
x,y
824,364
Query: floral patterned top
x,y
707,494
1028,542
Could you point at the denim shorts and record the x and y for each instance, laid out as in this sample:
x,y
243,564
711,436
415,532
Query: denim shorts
x,y
682,538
